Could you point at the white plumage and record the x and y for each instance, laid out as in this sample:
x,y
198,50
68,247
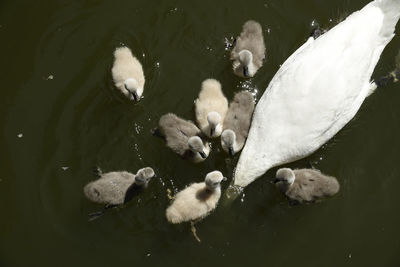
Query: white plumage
x,y
317,91
127,73
211,99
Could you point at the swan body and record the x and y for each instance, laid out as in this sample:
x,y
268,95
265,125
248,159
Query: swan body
x,y
249,51
127,73
197,200
237,122
305,185
116,188
211,107
317,91
183,137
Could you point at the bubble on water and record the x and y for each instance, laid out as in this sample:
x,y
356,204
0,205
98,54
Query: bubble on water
x,y
209,48
65,168
148,254
173,10
314,23
157,64
50,77
247,85
144,55
136,147
242,198
162,181
228,42
268,30
20,135
138,128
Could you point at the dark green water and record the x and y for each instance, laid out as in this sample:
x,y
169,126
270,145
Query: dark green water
x,y
77,120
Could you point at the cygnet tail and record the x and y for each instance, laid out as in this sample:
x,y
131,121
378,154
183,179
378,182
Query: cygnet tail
x,y
122,52
173,215
391,11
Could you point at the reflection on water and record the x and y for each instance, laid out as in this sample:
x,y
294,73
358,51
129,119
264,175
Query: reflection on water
x,y
61,117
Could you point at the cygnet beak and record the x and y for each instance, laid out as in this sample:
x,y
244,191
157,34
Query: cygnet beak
x,y
245,71
212,130
135,97
231,151
224,179
132,95
203,155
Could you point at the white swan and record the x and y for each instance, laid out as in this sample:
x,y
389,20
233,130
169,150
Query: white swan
x,y
249,51
211,107
316,92
127,73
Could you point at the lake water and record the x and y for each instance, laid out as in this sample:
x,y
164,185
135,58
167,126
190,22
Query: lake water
x,y
60,116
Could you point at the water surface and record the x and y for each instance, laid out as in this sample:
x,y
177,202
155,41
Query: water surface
x,y
60,116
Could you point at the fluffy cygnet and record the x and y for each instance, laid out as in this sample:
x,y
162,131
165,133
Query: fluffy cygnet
x,y
211,107
237,122
249,51
305,185
183,137
127,73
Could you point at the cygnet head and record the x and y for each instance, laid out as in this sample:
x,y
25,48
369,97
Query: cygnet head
x,y
245,59
228,139
285,175
214,179
214,120
196,145
132,86
144,175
